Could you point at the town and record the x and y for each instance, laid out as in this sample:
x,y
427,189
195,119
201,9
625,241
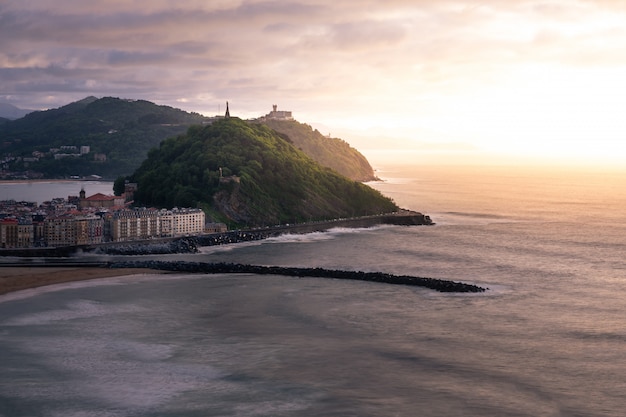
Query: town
x,y
81,220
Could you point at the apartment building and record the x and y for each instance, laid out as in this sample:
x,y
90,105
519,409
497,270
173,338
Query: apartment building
x,y
134,224
16,233
70,230
181,222
60,231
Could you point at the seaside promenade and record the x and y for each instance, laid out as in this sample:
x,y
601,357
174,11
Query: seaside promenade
x,y
190,243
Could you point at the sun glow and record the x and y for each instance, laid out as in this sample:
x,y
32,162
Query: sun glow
x,y
545,113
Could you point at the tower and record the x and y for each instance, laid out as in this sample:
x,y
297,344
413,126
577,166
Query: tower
x,y
81,195
227,115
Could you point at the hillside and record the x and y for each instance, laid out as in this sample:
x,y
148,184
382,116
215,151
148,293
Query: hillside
x,y
118,132
248,174
330,152
10,112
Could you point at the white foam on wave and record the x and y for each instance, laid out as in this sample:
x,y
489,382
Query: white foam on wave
x,y
288,238
327,235
301,238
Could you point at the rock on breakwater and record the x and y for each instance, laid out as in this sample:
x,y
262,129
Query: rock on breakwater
x,y
229,268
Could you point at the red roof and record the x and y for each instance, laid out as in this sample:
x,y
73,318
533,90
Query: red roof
x,y
101,197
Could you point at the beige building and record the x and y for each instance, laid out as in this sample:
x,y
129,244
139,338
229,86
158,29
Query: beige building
x,y
72,230
181,222
134,224
60,231
16,233
143,223
89,229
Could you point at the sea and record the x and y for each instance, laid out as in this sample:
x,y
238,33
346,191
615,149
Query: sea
x,y
40,191
548,338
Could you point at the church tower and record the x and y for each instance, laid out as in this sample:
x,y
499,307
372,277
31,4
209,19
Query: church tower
x,y
227,115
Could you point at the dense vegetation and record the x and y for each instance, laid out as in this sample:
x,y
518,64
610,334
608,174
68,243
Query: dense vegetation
x,y
329,152
122,130
251,175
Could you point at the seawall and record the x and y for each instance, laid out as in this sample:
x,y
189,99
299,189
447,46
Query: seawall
x,y
191,243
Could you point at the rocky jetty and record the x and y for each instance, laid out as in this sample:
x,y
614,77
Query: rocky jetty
x,y
230,268
182,245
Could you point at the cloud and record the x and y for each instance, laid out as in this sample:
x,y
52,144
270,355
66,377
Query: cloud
x,y
329,60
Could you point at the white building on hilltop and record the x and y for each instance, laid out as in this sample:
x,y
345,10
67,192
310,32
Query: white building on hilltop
x,y
279,114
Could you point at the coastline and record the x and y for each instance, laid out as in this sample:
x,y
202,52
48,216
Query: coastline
x,y
189,244
43,181
17,278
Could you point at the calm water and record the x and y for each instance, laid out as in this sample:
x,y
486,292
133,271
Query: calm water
x,y
548,339
40,191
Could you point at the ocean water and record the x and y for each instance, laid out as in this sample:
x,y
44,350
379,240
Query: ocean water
x,y
40,191
547,339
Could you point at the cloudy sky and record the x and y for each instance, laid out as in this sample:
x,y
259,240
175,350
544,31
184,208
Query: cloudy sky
x,y
542,79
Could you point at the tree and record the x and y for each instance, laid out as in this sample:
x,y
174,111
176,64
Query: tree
x,y
119,186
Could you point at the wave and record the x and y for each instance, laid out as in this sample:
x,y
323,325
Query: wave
x,y
293,238
286,238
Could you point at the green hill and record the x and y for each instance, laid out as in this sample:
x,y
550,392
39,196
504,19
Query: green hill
x,y
330,152
249,174
119,131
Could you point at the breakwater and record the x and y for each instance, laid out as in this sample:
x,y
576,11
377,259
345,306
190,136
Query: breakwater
x,y
190,244
230,268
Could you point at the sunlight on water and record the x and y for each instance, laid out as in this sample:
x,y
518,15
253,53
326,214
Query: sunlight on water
x,y
490,194
547,339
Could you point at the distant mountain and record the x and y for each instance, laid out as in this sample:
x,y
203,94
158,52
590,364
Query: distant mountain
x,y
249,174
9,111
329,152
117,132
111,137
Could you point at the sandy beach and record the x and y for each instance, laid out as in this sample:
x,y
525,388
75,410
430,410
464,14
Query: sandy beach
x,y
21,278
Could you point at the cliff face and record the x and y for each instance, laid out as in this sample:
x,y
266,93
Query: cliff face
x,y
275,181
333,153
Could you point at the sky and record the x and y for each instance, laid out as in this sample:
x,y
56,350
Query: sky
x,y
410,80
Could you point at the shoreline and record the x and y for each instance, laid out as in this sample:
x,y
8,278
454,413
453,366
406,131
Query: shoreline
x,y
18,278
51,180
189,244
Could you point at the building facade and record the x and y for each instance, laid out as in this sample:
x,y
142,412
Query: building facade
x,y
134,224
181,222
